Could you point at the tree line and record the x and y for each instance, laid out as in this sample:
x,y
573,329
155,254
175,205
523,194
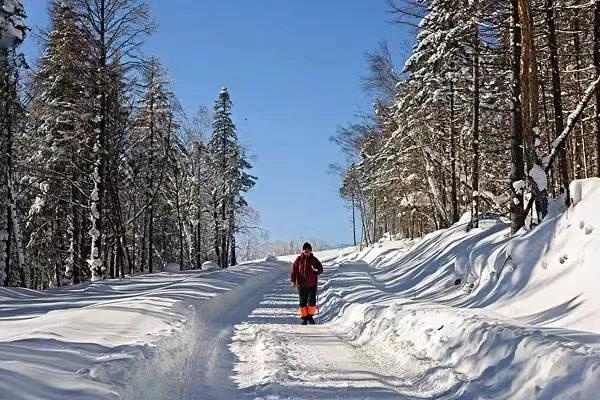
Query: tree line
x,y
102,174
496,110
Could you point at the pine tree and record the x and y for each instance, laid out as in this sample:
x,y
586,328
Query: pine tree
x,y
12,33
114,30
232,179
152,135
58,160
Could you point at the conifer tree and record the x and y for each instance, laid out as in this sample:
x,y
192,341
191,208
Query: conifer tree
x,y
232,180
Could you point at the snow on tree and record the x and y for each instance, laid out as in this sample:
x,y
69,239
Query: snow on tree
x,y
232,180
59,155
12,33
151,140
12,23
110,176
478,74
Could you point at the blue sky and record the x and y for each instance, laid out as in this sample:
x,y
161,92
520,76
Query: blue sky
x,y
293,70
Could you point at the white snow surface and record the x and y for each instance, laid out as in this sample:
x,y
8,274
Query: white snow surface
x,y
524,323
539,176
12,27
209,265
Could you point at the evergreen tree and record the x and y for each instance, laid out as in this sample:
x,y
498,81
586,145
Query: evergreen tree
x,y
12,23
58,163
232,180
152,135
114,30
12,33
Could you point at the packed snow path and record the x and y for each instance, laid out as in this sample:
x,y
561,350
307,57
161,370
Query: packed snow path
x,y
316,362
272,356
279,358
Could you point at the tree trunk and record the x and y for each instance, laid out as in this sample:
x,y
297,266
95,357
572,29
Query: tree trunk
x,y
454,192
233,254
179,223
150,186
374,218
579,156
217,233
223,236
597,75
353,221
96,203
143,246
199,240
8,253
517,177
111,262
475,144
557,95
530,108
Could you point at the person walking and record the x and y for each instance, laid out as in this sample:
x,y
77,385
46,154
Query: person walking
x,y
304,276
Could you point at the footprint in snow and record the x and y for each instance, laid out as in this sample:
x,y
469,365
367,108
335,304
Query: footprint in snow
x,y
563,258
589,229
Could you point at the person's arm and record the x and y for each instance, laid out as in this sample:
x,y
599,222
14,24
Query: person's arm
x,y
319,267
294,271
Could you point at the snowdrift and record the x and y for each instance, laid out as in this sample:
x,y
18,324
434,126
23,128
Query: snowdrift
x,y
112,339
550,275
209,266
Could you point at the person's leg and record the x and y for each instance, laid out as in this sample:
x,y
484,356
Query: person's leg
x,y
312,304
303,294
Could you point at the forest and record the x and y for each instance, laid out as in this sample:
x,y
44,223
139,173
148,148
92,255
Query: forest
x,y
102,173
495,111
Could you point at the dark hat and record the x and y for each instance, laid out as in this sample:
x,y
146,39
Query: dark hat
x,y
306,246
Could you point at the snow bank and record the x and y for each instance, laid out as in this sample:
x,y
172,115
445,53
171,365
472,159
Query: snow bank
x,y
210,265
553,273
109,339
547,276
442,351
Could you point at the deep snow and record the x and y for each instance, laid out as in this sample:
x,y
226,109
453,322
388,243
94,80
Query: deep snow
x,y
524,323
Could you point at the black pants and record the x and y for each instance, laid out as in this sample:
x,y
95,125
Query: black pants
x,y
308,296
308,302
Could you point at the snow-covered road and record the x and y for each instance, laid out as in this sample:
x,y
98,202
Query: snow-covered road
x,y
393,325
278,358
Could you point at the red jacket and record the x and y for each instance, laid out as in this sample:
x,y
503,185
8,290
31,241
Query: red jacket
x,y
305,271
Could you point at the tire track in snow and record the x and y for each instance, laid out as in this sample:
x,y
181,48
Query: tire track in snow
x,y
196,364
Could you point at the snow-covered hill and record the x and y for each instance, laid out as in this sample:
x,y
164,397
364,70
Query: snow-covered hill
x,y
523,323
